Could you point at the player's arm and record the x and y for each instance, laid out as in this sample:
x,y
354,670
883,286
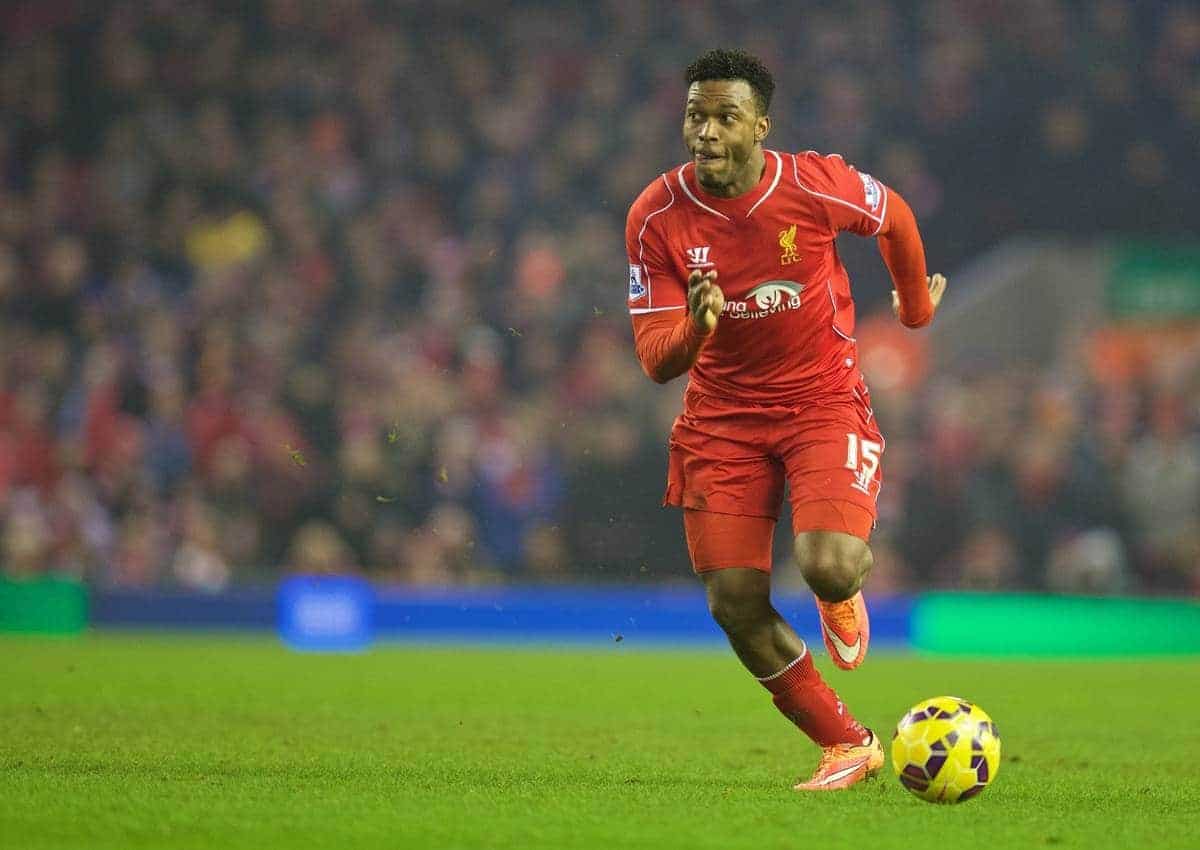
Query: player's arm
x,y
856,201
669,342
916,296
671,321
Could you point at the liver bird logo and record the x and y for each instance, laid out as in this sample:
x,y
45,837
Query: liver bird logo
x,y
787,242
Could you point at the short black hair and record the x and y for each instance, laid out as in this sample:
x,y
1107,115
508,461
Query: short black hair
x,y
721,64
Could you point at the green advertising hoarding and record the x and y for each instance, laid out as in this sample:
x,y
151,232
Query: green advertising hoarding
x,y
1155,281
1039,624
47,605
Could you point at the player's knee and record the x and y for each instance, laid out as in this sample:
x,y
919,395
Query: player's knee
x,y
833,564
832,578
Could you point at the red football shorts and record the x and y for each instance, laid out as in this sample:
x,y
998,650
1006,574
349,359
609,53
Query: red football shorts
x,y
732,459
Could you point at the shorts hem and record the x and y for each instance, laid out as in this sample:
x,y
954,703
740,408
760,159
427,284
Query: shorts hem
x,y
832,515
695,502
762,568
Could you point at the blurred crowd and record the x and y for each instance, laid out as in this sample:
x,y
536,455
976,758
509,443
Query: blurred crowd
x,y
1080,476
300,285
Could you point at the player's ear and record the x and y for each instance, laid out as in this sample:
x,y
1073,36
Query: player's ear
x,y
762,127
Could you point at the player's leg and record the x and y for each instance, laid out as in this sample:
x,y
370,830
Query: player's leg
x,y
730,490
732,556
723,475
832,456
835,564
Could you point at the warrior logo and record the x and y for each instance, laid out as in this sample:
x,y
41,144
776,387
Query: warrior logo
x,y
698,257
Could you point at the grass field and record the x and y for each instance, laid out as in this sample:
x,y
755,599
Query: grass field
x,y
186,742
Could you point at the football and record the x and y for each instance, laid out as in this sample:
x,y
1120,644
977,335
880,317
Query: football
x,y
945,750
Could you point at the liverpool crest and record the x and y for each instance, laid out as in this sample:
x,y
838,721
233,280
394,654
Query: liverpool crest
x,y
787,242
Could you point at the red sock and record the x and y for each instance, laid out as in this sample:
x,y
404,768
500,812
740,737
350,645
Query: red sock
x,y
804,698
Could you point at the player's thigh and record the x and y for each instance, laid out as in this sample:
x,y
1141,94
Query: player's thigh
x,y
833,461
719,462
718,541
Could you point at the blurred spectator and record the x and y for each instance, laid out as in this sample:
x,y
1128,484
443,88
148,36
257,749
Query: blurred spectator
x,y
989,559
1094,562
318,548
1162,488
275,297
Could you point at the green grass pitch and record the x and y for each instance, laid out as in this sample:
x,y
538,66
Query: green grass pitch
x,y
154,741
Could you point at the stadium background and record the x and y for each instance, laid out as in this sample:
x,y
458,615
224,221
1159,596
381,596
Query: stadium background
x,y
296,287
299,288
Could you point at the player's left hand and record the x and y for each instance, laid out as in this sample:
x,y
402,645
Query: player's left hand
x,y
937,288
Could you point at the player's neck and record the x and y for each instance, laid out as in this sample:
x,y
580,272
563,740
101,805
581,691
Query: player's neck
x,y
747,180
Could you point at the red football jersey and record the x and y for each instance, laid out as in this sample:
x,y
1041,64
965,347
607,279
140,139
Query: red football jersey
x,y
787,330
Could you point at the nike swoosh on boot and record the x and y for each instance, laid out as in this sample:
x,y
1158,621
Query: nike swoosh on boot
x,y
848,652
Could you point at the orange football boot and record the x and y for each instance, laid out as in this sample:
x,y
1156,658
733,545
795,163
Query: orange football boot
x,y
843,765
846,629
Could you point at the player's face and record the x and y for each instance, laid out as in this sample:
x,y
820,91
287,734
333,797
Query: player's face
x,y
723,131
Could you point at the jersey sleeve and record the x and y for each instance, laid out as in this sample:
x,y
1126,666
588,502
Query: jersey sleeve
x,y
853,200
652,284
904,255
667,343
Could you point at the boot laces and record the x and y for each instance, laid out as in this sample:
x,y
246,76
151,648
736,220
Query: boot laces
x,y
841,615
840,751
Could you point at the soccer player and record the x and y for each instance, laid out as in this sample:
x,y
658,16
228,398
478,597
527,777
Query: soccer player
x,y
775,393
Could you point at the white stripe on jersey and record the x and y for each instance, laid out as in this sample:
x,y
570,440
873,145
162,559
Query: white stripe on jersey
x,y
774,183
882,210
640,310
642,248
878,219
684,185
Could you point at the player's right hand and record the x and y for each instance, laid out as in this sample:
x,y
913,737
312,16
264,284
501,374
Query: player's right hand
x,y
937,288
705,300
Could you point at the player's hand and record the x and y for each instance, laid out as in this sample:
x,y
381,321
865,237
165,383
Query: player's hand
x,y
705,300
937,288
